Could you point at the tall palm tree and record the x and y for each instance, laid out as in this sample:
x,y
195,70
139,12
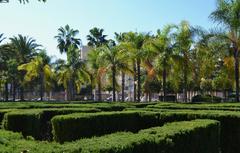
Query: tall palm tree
x,y
25,48
67,37
96,38
21,1
115,60
120,37
96,70
73,74
39,68
135,44
183,45
163,48
69,44
227,14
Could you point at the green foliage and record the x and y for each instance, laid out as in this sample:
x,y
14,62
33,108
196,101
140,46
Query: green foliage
x,y
36,122
74,126
201,136
206,98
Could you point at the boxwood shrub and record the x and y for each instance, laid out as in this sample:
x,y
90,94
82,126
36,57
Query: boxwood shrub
x,y
198,136
75,126
37,122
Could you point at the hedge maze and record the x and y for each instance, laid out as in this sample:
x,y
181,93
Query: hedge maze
x,y
119,128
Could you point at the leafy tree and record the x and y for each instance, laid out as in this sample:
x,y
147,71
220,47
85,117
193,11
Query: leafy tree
x,y
67,37
21,1
163,48
25,49
96,70
96,38
73,74
183,45
135,44
227,14
39,68
115,60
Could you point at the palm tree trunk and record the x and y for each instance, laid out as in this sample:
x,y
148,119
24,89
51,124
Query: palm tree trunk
x,y
6,91
123,86
41,85
185,80
99,91
164,76
21,93
114,83
134,84
14,90
236,73
139,80
150,96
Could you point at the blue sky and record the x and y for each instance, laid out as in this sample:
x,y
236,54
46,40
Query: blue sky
x,y
41,20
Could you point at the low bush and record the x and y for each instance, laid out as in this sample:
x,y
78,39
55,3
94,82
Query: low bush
x,y
206,98
75,126
229,121
198,136
37,122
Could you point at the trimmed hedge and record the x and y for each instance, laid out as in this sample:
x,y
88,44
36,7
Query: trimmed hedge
x,y
206,98
220,106
198,136
75,126
230,124
37,122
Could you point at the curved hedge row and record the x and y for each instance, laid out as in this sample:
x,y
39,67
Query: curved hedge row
x,y
199,136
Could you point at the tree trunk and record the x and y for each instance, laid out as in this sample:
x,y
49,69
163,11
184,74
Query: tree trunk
x,y
164,75
114,83
14,90
6,91
134,84
150,96
21,93
139,80
99,91
236,73
123,86
185,80
41,85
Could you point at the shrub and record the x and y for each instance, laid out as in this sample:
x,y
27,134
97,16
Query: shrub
x,y
206,98
36,122
200,136
74,126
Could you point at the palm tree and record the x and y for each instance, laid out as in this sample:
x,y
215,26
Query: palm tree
x,y
39,68
163,48
183,44
227,14
96,70
69,44
115,59
21,1
120,37
73,74
66,38
135,44
96,38
25,49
